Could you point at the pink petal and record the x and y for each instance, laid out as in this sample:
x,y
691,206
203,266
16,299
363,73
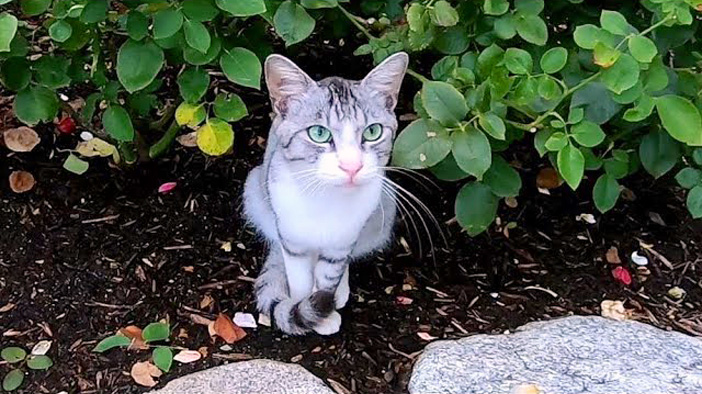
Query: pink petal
x,y
187,356
167,187
426,336
402,300
622,275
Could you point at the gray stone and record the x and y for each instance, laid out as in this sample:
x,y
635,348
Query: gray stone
x,y
247,377
568,355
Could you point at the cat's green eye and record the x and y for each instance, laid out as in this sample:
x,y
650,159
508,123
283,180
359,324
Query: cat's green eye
x,y
373,132
319,134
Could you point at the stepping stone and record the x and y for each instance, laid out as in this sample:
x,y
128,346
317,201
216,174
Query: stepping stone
x,y
574,354
247,377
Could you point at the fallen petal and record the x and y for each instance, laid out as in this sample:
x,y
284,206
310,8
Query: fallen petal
x,y
586,217
187,356
612,256
41,348
264,320
622,275
21,139
638,259
167,187
677,293
402,300
21,181
245,320
613,310
144,372
426,336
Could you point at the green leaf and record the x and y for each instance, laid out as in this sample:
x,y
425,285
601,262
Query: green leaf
x,y
554,60
138,63
529,7
605,193
694,202
60,30
614,22
241,66
317,4
689,177
472,152
540,139
200,10
52,71
587,36
215,138
292,23
163,358
12,380
488,59
112,341
493,125
34,7
443,102
495,7
242,8
448,170
15,73
642,49
36,104
39,362
13,354
548,88
518,61
137,25
197,58
444,14
642,110
571,165
681,119
94,11
75,165
167,23
505,27
196,35
656,78
605,56
476,207
556,141
118,124
532,29
502,179
422,144
157,331
622,75
193,84
697,156
588,134
8,29
659,153
230,107
443,69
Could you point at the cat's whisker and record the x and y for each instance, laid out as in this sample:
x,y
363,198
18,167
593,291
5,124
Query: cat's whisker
x,y
414,175
423,206
405,214
421,218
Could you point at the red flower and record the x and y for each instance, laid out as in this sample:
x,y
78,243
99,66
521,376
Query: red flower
x,y
622,275
66,125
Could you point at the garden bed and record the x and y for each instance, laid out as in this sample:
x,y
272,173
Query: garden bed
x,y
83,256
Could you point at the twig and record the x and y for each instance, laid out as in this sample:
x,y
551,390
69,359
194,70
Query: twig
x,y
100,220
550,292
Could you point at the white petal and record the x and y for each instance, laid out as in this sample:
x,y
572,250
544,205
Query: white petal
x,y
638,259
245,320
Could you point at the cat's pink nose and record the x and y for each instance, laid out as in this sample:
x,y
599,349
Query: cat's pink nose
x,y
351,167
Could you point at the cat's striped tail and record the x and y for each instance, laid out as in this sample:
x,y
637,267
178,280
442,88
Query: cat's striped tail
x,y
272,295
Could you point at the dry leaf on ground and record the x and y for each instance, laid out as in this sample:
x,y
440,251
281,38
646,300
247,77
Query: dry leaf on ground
x,y
188,140
548,178
197,319
225,328
134,333
613,310
187,356
21,139
144,373
21,181
612,256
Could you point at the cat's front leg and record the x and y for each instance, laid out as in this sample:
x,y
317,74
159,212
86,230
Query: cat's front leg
x,y
328,275
299,270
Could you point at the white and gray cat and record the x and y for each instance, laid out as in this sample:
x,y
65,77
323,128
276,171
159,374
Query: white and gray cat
x,y
320,197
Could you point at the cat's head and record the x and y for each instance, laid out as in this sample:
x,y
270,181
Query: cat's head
x,y
335,131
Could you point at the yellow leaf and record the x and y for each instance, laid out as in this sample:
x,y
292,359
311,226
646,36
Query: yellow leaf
x,y
215,137
189,114
95,147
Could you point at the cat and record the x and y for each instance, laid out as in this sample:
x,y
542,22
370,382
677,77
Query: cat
x,y
320,198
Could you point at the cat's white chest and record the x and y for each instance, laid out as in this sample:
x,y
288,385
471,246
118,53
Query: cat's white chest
x,y
330,219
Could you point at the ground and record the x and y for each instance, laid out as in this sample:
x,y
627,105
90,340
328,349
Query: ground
x,y
83,256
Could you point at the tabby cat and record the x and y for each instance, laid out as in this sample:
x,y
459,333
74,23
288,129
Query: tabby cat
x,y
320,198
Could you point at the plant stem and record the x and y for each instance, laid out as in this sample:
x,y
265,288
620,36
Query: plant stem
x,y
656,25
421,78
567,93
356,23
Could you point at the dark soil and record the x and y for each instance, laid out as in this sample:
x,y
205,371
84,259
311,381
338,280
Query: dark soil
x,y
83,256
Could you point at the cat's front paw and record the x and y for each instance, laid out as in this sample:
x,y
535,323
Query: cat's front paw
x,y
341,297
329,325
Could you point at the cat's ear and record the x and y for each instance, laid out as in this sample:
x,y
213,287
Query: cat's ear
x,y
386,78
284,79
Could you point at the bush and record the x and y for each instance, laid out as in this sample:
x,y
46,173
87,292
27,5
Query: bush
x,y
582,82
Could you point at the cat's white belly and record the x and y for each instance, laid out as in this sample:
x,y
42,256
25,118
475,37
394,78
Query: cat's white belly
x,y
325,220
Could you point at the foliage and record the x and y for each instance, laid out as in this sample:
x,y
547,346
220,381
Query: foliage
x,y
154,332
16,358
600,94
